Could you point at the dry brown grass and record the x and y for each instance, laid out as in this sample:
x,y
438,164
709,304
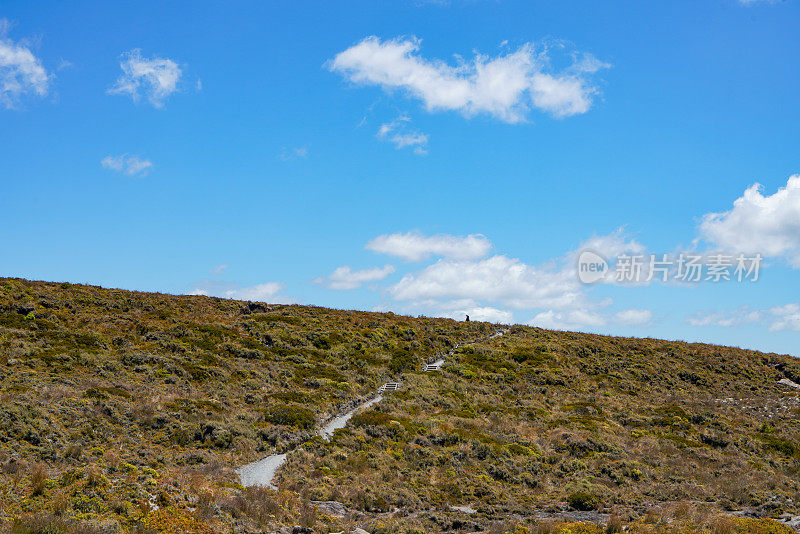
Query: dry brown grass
x,y
38,476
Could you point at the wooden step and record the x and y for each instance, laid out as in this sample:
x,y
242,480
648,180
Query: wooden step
x,y
389,386
433,366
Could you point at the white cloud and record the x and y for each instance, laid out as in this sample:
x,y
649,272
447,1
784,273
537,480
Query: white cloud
x,y
397,133
262,292
612,245
154,78
21,72
291,154
582,319
509,281
787,318
568,320
633,317
413,246
453,286
130,165
456,309
218,270
485,313
414,139
729,318
344,278
777,318
769,225
505,86
266,292
498,278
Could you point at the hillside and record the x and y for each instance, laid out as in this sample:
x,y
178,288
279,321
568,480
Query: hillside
x,y
128,411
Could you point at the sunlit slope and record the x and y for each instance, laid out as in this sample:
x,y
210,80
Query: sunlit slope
x,y
114,403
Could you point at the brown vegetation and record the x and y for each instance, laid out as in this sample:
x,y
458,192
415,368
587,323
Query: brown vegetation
x,y
127,410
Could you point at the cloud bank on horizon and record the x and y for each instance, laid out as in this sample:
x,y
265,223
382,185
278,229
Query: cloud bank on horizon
x,y
464,277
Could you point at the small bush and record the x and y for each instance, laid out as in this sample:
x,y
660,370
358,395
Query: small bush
x,y
74,451
38,481
255,503
583,501
295,416
370,418
51,524
292,396
535,355
723,525
614,525
287,319
780,445
401,360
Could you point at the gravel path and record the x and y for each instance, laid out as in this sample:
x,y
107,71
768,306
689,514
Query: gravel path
x,y
262,472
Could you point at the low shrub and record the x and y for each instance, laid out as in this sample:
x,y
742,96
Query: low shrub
x,y
583,501
287,415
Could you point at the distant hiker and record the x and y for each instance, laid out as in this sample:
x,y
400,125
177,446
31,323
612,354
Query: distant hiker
x,y
467,319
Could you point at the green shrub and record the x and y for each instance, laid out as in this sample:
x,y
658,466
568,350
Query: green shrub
x,y
288,319
401,360
320,371
516,448
531,355
14,320
780,445
295,416
370,418
103,393
298,397
198,373
583,501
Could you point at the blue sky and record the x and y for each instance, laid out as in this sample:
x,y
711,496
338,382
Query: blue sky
x,y
436,158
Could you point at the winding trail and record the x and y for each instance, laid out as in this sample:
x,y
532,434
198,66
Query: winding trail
x,y
436,362
339,422
263,471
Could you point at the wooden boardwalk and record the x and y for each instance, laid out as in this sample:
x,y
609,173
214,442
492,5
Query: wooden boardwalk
x,y
389,386
433,366
440,361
